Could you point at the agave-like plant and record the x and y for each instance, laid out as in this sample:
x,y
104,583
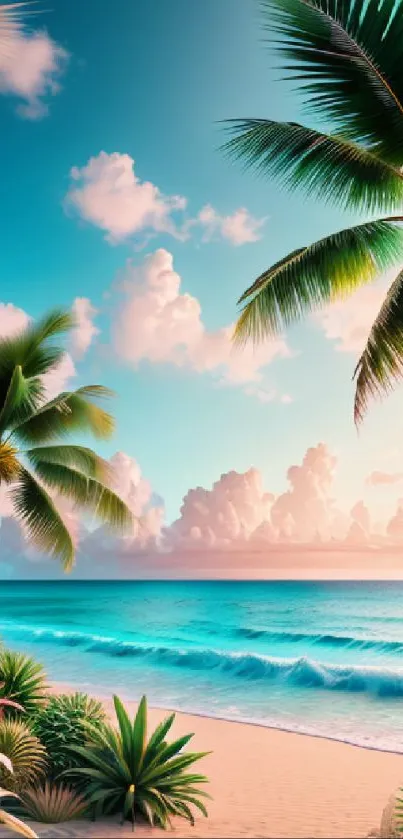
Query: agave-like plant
x,y
12,822
36,471
126,774
62,723
23,683
346,55
52,803
8,703
26,755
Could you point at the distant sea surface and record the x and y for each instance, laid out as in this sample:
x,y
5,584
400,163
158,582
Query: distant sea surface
x,y
319,658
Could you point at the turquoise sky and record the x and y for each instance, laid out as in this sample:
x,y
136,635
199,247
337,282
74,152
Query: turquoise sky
x,y
152,79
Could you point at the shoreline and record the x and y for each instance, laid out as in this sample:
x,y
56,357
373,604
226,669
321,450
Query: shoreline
x,y
266,782
105,695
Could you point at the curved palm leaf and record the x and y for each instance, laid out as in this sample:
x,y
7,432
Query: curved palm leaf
x,y
309,277
76,457
86,493
36,510
348,56
330,167
68,412
382,360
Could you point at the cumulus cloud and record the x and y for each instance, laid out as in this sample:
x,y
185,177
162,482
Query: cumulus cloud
x,y
158,322
230,512
30,69
384,478
85,330
239,228
395,525
347,322
108,193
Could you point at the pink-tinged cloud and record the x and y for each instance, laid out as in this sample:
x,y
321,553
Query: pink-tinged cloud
x,y
30,69
239,228
158,322
12,320
85,330
384,478
107,193
347,322
228,513
395,525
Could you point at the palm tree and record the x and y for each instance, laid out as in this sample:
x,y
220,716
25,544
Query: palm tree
x,y
347,56
11,23
34,461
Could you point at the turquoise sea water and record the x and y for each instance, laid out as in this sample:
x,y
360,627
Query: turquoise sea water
x,y
321,658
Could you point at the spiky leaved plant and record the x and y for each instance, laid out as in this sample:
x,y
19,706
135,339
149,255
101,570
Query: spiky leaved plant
x,y
25,752
10,821
23,680
129,775
51,803
346,56
63,723
36,471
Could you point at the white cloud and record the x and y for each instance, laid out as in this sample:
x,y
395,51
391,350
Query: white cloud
x,y
85,330
30,68
239,228
157,322
107,193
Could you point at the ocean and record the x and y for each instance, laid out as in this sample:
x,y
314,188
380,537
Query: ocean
x,y
319,658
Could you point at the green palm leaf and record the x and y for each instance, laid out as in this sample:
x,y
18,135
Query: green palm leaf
x,y
312,276
382,360
86,493
69,412
22,397
330,167
76,457
37,512
348,57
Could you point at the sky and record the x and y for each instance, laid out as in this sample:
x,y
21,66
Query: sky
x,y
117,200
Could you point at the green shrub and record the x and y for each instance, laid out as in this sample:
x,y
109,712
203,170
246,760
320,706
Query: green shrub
x,y
26,753
22,680
62,724
52,803
126,774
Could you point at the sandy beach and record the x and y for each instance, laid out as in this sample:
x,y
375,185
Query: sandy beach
x,y
268,783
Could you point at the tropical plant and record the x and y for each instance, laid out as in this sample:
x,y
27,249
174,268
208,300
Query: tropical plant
x,y
39,472
25,752
346,55
52,803
61,724
10,821
23,680
8,703
126,774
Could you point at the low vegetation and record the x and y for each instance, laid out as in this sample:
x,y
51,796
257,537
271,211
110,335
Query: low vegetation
x,y
60,759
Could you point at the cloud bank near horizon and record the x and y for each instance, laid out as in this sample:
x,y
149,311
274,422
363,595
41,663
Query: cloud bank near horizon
x,y
236,516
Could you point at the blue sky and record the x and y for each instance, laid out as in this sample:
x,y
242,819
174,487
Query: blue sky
x,y
152,80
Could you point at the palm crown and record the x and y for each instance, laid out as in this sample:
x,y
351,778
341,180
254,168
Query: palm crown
x,y
33,459
347,57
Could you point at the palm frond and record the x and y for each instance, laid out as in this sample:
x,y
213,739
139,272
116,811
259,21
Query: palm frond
x,y
348,56
22,397
70,411
381,363
76,457
37,512
326,166
86,493
312,276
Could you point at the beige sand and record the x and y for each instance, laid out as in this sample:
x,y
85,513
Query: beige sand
x,y
268,783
